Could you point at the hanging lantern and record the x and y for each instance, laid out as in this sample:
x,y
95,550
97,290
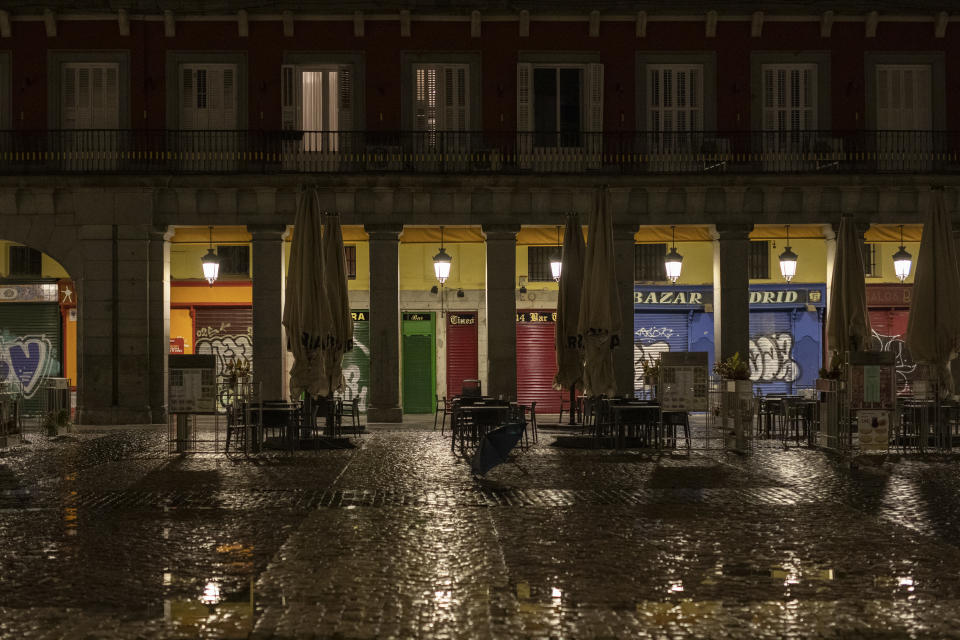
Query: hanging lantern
x,y
902,260
441,262
673,261
556,260
211,263
788,260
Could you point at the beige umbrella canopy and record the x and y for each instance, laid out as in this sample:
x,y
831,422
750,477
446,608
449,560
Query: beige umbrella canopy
x,y
848,324
599,322
569,354
337,328
303,308
933,333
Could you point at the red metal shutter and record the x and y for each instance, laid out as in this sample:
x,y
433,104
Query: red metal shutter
x,y
461,351
536,364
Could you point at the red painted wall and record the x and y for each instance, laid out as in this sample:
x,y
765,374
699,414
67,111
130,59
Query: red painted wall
x,y
499,47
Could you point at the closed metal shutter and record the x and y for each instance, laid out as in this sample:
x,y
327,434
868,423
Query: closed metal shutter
x,y
356,362
537,362
419,360
655,333
417,363
772,366
31,348
890,334
226,332
461,351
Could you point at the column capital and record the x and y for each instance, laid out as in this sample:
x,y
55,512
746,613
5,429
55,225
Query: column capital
x,y
726,231
384,231
501,232
267,231
160,232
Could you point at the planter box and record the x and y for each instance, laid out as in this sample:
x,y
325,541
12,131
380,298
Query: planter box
x,y
736,412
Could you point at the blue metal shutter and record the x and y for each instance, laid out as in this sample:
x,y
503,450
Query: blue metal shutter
x,y
772,365
807,347
655,332
701,335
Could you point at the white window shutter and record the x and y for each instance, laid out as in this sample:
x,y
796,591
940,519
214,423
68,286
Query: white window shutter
x,y
228,99
420,95
924,111
524,96
84,111
188,98
290,101
453,98
111,99
68,111
594,98
345,121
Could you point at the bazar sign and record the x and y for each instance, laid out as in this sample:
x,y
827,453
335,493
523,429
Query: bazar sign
x,y
667,297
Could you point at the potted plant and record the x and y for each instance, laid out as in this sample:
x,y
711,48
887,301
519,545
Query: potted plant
x,y
736,400
651,374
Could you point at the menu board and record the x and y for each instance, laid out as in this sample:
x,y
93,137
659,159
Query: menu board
x,y
683,381
872,381
873,429
193,383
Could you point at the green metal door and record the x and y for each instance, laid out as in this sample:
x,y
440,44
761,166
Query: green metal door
x,y
419,363
30,345
356,362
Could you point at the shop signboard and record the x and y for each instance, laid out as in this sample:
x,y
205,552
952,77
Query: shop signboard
x,y
683,381
193,384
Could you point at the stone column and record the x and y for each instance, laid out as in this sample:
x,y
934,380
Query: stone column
x,y
623,252
501,309
159,304
384,401
269,344
731,290
114,387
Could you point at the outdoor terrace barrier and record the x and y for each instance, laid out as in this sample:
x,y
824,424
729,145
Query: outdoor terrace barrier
x,y
138,151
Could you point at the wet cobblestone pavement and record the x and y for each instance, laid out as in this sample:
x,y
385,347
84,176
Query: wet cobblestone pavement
x,y
103,534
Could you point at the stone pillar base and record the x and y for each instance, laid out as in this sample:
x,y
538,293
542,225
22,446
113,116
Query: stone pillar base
x,y
392,414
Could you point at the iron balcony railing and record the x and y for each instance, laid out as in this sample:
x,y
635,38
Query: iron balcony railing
x,y
639,152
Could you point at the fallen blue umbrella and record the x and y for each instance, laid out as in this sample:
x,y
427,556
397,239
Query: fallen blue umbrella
x,y
495,447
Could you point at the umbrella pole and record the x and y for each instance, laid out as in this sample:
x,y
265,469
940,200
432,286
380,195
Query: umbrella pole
x,y
573,406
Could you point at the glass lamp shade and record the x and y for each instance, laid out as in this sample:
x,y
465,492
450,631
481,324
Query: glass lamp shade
x,y
556,264
211,266
902,262
674,265
788,264
441,266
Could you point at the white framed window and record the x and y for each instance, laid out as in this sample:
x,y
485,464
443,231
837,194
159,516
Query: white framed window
x,y
904,97
559,102
675,98
789,97
318,100
90,95
441,97
208,96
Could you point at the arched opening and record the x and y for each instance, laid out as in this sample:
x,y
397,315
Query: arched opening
x,y
38,334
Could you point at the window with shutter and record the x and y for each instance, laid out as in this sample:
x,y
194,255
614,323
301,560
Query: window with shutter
x,y
90,96
904,116
560,103
789,97
317,100
674,93
441,99
208,97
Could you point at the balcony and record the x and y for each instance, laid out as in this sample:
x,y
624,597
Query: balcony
x,y
134,151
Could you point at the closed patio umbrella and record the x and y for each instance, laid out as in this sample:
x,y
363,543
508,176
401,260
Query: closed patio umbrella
x,y
848,324
337,323
599,320
303,306
569,355
933,333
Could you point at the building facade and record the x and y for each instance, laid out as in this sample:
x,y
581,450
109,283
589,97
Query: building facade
x,y
133,140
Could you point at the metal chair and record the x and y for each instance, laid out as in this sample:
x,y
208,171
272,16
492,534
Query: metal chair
x,y
443,409
351,410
